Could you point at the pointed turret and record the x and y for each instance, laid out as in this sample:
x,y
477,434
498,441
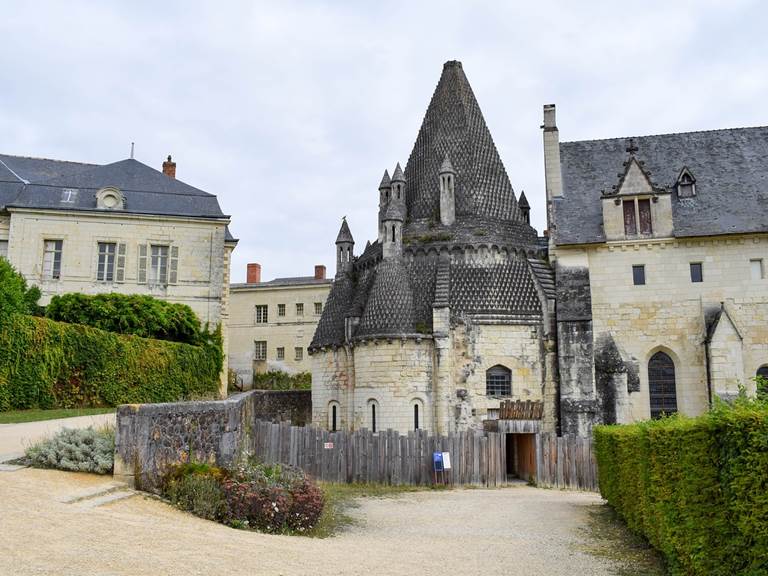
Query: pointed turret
x,y
392,225
525,208
385,181
385,188
447,177
454,126
345,245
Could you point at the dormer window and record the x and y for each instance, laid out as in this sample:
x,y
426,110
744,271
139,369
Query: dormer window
x,y
686,184
637,217
110,199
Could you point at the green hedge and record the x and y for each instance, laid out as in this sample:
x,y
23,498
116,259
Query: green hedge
x,y
135,314
697,489
50,364
278,380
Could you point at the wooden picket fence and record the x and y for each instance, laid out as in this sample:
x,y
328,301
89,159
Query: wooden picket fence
x,y
387,457
566,462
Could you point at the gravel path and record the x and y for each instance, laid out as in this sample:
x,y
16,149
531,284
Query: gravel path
x,y
511,531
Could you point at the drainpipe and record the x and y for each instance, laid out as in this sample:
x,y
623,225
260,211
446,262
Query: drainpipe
x,y
709,373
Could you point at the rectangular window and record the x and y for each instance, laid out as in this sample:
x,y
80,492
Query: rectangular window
x,y
318,308
281,310
52,259
638,274
281,353
299,353
261,314
158,271
299,309
696,272
4,249
260,350
105,270
756,268
644,213
630,225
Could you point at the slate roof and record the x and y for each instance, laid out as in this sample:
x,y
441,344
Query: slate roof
x,y
277,282
40,183
454,126
344,233
730,167
394,297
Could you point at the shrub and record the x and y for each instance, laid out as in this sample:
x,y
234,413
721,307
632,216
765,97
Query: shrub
x,y
15,296
275,499
76,450
278,380
49,364
135,314
695,488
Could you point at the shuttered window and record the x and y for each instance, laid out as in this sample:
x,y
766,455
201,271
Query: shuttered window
x,y
158,271
630,225
173,275
52,259
120,267
105,268
142,271
644,212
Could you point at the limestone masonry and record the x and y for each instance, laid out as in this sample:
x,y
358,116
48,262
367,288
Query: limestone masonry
x,y
647,295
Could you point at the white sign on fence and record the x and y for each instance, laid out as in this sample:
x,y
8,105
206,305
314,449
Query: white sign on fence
x,y
446,460
328,445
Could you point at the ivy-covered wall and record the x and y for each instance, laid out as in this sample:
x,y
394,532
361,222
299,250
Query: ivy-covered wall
x,y
50,364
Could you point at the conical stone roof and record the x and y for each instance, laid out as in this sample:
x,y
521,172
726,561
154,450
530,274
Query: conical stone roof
x,y
344,233
454,126
389,309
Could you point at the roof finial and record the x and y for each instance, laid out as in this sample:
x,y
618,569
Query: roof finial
x,y
632,148
132,144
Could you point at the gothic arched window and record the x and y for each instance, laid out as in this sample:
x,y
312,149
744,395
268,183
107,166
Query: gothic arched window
x,y
661,385
498,381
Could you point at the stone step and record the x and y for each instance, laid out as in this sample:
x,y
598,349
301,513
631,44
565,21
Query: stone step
x,y
107,498
93,492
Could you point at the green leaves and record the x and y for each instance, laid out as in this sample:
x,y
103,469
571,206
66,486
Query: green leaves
x,y
15,296
696,488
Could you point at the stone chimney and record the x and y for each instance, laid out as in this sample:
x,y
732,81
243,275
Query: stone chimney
x,y
319,272
253,275
169,167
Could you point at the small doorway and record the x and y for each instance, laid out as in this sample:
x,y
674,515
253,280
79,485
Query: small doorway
x,y
521,456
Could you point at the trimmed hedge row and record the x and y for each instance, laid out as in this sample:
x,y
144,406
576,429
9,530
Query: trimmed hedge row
x,y
135,314
697,489
50,364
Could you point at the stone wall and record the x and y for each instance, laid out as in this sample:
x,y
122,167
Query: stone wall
x,y
150,438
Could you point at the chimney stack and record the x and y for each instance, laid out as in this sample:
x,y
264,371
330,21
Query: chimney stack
x,y
253,275
319,272
169,167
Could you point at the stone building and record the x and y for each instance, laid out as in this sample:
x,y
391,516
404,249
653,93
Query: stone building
x,y
122,227
659,245
450,308
272,322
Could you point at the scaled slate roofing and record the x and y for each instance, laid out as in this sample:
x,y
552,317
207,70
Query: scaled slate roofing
x,y
344,233
146,190
454,126
330,328
730,167
505,289
389,307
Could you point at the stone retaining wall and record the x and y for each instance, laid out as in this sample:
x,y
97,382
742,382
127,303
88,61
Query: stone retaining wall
x,y
150,438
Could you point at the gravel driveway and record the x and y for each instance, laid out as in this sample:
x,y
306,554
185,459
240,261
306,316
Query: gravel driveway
x,y
510,531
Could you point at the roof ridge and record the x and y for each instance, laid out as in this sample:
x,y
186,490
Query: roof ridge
x,y
49,159
666,134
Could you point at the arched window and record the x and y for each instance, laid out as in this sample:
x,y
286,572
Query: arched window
x,y
417,412
373,415
333,416
661,385
498,381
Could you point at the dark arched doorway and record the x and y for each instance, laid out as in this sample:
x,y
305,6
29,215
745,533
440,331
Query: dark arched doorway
x,y
661,385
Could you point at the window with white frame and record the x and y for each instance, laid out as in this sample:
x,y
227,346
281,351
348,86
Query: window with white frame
x,y
260,350
299,353
756,269
299,309
105,270
158,271
280,353
281,310
261,313
318,308
52,259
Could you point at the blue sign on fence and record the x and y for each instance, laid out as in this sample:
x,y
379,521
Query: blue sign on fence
x,y
437,460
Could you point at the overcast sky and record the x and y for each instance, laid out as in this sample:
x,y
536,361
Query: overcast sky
x,y
290,111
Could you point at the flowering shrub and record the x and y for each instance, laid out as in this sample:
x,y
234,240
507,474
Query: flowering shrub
x,y
277,499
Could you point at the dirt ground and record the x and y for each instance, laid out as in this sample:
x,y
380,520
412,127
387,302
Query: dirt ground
x,y
519,530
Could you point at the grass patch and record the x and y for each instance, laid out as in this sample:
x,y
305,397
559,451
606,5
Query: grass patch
x,y
610,538
340,499
37,415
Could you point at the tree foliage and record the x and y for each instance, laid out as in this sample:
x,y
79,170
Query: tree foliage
x,y
15,296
